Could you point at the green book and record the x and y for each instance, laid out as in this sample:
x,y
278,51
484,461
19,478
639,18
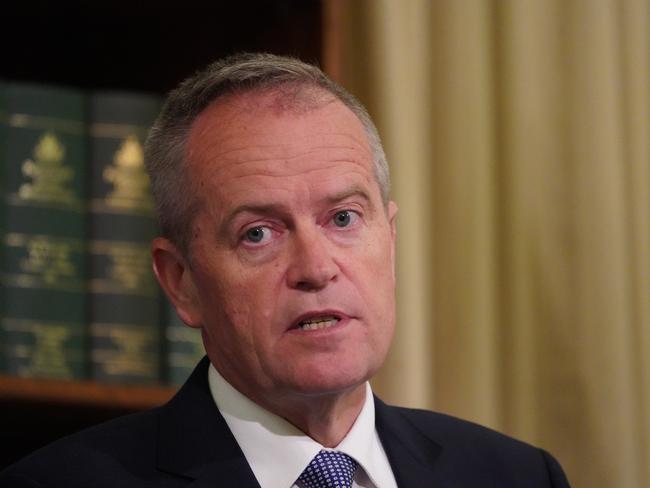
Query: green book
x,y
125,321
42,268
184,347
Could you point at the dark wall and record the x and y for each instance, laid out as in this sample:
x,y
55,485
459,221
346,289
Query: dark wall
x,y
147,45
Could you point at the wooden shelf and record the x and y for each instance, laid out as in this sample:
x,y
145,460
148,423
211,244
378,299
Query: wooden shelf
x,y
82,394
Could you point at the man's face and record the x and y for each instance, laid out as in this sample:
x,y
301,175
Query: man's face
x,y
292,250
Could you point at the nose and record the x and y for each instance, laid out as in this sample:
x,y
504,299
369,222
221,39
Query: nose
x,y
312,265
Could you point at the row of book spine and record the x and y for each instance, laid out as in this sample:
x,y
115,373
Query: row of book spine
x,y
78,299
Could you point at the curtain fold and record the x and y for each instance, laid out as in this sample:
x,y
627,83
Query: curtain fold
x,y
518,133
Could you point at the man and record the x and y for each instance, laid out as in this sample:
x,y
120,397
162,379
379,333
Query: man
x,y
278,241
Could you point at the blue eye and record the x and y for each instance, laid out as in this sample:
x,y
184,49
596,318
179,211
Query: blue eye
x,y
255,234
342,219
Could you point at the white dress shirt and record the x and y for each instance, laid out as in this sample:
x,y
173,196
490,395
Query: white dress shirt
x,y
278,452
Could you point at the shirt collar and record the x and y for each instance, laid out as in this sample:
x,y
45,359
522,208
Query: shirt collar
x,y
278,452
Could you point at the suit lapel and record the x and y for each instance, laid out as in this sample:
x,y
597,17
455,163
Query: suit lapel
x,y
411,454
195,442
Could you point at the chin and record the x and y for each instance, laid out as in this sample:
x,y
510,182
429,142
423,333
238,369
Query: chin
x,y
327,381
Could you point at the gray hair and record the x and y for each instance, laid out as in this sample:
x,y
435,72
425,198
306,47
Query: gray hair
x,y
166,147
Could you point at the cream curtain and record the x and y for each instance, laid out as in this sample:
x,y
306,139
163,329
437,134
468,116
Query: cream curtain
x,y
518,133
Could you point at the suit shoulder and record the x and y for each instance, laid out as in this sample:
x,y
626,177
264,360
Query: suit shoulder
x,y
468,450
114,445
450,429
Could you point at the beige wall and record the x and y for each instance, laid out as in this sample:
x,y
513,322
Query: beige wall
x,y
518,133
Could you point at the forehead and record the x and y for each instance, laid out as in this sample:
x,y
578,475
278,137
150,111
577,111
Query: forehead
x,y
276,132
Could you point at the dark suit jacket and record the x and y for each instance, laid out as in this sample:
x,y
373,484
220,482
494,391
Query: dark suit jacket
x,y
187,443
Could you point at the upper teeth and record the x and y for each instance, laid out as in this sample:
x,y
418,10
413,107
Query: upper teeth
x,y
318,323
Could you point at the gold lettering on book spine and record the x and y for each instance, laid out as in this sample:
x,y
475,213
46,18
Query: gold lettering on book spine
x,y
133,350
49,353
48,259
130,183
127,269
50,177
131,267
43,349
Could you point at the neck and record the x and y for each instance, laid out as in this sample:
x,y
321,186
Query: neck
x,y
325,418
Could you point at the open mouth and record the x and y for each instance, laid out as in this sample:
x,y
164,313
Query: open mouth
x,y
316,323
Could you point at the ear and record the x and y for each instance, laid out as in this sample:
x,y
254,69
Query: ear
x,y
392,221
173,272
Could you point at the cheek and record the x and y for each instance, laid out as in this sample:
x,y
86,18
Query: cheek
x,y
237,308
377,267
371,274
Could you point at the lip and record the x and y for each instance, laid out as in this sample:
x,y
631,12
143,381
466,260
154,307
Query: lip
x,y
342,317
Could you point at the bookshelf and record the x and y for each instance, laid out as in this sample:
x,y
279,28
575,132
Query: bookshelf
x,y
81,394
136,46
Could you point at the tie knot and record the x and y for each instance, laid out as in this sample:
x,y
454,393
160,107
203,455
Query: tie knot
x,y
329,469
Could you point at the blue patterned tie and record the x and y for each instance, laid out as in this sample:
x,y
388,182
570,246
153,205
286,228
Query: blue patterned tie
x,y
329,469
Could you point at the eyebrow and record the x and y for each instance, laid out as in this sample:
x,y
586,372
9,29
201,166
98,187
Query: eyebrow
x,y
277,208
347,193
263,209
